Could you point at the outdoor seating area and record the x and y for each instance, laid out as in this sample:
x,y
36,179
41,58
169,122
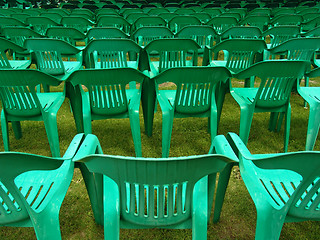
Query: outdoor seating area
x,y
130,119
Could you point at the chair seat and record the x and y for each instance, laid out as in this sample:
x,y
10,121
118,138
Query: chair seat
x,y
20,64
131,64
247,95
50,100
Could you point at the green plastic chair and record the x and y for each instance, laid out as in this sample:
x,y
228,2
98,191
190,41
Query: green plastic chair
x,y
157,193
178,22
157,11
105,33
245,32
282,10
311,24
283,187
80,23
167,15
287,19
239,54
106,11
312,96
148,21
214,12
203,35
280,34
21,103
20,16
10,22
107,97
84,12
231,14
132,17
202,16
32,189
111,53
68,34
172,53
144,35
220,24
195,96
272,95
17,50
260,21
54,16
19,34
260,11
41,24
49,53
114,21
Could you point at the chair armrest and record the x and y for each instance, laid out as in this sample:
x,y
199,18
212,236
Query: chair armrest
x,y
221,146
90,145
239,148
74,146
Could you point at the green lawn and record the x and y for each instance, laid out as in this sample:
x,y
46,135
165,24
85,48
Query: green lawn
x,y
189,137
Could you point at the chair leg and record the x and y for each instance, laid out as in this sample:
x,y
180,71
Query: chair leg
x,y
135,130
111,209
167,123
269,225
94,188
211,191
246,116
4,129
16,126
287,129
50,123
221,191
199,213
313,126
46,225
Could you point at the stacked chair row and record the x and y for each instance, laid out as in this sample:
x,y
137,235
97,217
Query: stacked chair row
x,y
132,19
173,4
112,64
174,193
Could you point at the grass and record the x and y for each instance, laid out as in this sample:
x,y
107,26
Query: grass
x,y
189,137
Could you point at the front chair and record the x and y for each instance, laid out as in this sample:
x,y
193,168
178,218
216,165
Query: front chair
x,y
32,189
154,193
195,96
284,187
107,97
272,95
21,102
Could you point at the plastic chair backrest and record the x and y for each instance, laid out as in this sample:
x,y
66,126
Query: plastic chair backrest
x,y
287,19
19,34
220,24
70,35
10,21
111,53
49,54
203,35
241,32
80,23
277,79
259,21
54,16
241,52
178,22
280,34
195,86
144,35
114,21
298,48
155,192
148,21
174,52
107,88
18,91
41,24
4,46
105,32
